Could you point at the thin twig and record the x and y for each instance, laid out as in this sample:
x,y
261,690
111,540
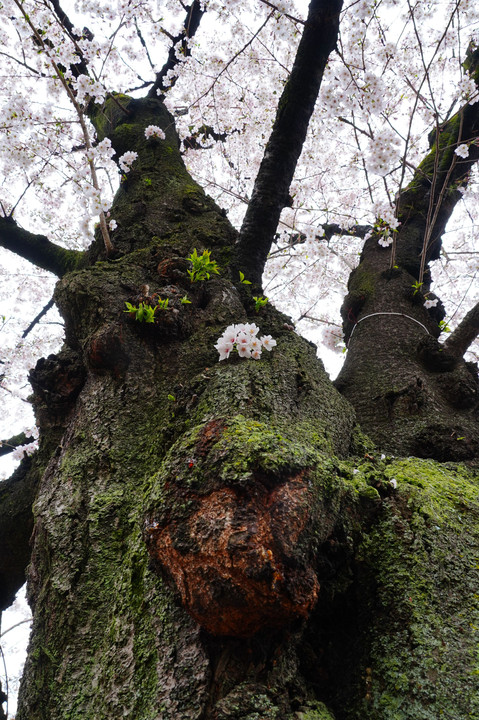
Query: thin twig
x,y
290,17
38,317
81,118
236,55
12,627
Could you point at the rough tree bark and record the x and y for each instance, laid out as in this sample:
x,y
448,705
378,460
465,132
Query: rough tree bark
x,y
414,395
219,541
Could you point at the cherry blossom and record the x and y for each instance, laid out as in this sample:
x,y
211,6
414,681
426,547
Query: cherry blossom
x,y
154,131
243,338
462,151
126,160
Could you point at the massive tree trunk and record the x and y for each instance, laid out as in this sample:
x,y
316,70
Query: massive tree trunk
x,y
218,540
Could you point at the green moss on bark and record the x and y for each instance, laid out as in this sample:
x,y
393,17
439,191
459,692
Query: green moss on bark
x,y
393,636
421,612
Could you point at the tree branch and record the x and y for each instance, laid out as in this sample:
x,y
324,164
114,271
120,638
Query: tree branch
x,y
430,198
38,317
232,59
329,230
81,67
194,13
8,446
270,193
466,332
38,249
282,12
198,137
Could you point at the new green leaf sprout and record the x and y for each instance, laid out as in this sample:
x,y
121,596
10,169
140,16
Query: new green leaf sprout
x,y
242,279
203,266
144,312
259,302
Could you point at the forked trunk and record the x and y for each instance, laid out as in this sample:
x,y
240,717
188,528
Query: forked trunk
x,y
217,540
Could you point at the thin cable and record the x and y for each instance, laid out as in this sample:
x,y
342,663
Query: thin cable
x,y
6,677
387,313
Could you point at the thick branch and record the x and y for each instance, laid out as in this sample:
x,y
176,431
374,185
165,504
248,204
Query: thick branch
x,y
465,333
331,229
270,193
16,523
427,203
37,249
179,47
8,446
196,140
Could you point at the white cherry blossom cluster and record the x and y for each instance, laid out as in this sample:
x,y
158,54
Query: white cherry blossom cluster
x,y
462,150
154,131
244,339
385,240
126,160
86,88
468,90
383,152
97,203
28,448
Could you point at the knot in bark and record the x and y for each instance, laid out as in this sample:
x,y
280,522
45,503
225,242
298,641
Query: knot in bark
x,y
240,560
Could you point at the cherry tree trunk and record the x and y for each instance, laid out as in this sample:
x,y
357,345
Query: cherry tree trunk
x,y
218,540
413,394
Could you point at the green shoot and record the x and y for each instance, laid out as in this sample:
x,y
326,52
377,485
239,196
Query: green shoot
x,y
142,313
203,266
259,302
242,280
